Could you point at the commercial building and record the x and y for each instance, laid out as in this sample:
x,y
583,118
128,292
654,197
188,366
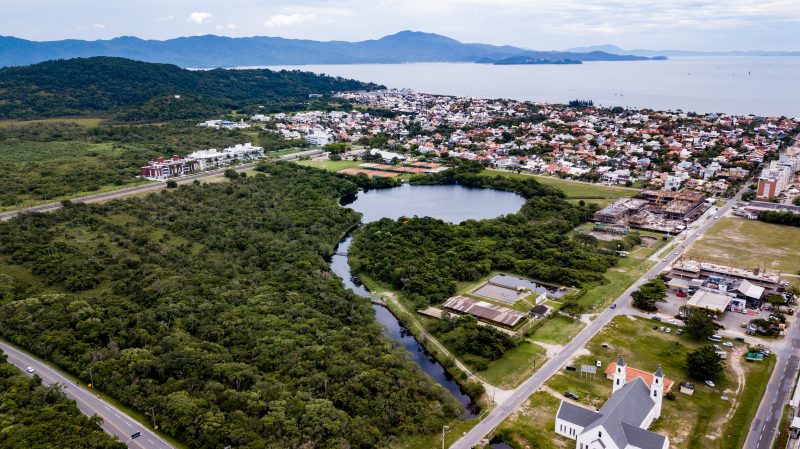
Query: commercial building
x,y
224,124
709,301
485,311
161,168
770,280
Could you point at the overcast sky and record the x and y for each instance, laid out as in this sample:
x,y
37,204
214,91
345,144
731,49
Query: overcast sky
x,y
535,24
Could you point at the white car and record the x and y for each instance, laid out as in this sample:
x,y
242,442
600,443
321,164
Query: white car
x,y
668,330
728,344
711,384
29,369
672,321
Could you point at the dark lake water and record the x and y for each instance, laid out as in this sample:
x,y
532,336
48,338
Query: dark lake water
x,y
450,203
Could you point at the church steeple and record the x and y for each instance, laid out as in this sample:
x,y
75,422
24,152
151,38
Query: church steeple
x,y
620,375
657,391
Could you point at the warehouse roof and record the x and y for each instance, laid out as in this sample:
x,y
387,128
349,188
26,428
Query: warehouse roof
x,y
484,310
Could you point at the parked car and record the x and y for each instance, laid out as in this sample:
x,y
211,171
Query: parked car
x,y
711,383
717,348
739,339
728,344
30,369
679,332
715,338
668,330
571,395
661,328
656,318
655,327
614,306
672,321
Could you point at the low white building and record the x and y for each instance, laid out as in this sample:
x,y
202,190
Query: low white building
x,y
387,156
208,159
623,420
318,138
223,124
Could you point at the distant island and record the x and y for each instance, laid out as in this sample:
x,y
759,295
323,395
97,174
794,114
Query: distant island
x,y
615,50
224,52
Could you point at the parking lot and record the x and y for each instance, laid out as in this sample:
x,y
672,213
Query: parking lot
x,y
731,320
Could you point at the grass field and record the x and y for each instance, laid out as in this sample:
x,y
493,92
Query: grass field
x,y
330,165
573,189
701,420
749,244
558,330
515,366
620,277
88,122
532,425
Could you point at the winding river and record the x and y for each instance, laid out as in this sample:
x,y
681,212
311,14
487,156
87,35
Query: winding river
x,y
453,204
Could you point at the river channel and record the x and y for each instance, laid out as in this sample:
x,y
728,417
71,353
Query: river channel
x,y
453,204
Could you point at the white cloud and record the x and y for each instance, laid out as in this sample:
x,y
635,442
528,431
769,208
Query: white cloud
x,y
199,17
281,20
95,26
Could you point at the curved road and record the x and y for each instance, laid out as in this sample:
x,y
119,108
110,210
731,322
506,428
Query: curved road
x,y
115,422
521,393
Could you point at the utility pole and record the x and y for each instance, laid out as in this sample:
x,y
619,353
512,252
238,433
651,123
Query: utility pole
x,y
153,415
91,379
444,429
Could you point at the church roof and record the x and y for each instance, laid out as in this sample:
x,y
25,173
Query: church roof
x,y
575,414
632,373
642,438
629,406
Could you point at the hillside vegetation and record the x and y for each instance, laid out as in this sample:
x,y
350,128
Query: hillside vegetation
x,y
138,91
214,304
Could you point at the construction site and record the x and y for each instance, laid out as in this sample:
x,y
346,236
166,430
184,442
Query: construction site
x,y
655,210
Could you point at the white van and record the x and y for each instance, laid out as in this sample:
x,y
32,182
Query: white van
x,y
715,338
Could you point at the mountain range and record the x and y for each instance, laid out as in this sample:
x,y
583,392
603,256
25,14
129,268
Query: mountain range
x,y
614,50
217,51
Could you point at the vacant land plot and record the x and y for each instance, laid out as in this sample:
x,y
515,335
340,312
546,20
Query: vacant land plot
x,y
749,244
557,330
619,277
330,165
701,420
533,424
515,366
573,189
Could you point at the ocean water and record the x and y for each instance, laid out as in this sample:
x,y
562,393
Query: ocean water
x,y
734,85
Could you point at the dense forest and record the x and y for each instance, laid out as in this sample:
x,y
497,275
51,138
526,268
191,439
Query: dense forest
x,y
46,160
34,416
426,258
139,91
214,304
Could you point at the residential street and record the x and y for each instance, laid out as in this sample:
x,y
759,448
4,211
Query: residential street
x,y
115,422
521,393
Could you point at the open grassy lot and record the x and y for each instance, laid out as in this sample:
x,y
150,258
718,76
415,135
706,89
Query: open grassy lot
x,y
573,189
749,244
330,165
701,420
82,121
515,366
557,330
532,425
620,277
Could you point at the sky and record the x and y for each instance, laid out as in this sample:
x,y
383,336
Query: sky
x,y
533,24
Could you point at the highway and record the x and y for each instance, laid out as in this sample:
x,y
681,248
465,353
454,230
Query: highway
x,y
121,193
520,394
115,422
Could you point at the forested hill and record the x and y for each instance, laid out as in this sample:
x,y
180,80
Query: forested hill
x,y
134,91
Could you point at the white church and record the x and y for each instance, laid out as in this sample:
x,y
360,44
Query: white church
x,y
623,420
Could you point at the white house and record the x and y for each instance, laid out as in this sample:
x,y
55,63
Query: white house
x,y
207,159
623,420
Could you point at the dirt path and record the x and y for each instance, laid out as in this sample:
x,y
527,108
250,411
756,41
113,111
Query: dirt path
x,y
735,360
500,395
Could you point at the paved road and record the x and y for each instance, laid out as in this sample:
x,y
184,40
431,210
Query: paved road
x,y
121,193
552,366
764,427
115,422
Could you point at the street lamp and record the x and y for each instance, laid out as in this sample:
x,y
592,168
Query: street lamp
x,y
444,429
